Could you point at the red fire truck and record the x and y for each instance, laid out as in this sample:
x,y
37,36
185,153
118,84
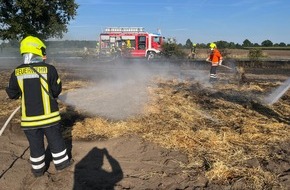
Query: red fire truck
x,y
129,42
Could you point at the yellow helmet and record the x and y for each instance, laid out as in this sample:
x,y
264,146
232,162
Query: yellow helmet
x,y
212,45
193,45
32,44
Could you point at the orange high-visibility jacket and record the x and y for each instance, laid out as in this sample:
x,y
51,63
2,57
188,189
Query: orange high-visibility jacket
x,y
215,57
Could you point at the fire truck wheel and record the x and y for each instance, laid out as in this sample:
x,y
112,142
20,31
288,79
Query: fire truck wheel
x,y
151,55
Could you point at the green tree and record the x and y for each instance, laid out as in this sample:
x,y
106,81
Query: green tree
x,y
267,43
237,45
41,18
222,44
232,45
282,44
202,45
172,49
256,45
188,43
247,43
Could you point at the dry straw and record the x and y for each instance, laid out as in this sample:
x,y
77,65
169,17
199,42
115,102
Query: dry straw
x,y
218,133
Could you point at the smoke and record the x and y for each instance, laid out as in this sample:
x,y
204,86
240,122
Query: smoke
x,y
200,76
116,91
277,93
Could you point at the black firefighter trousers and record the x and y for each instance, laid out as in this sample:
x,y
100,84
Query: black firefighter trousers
x,y
37,149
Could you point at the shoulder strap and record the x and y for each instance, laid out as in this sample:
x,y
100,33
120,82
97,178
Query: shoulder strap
x,y
40,75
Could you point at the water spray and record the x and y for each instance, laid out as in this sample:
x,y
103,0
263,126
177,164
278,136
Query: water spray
x,y
278,93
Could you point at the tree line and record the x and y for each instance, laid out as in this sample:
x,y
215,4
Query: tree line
x,y
231,45
188,44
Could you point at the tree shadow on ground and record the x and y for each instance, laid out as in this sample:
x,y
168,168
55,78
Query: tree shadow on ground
x,y
90,174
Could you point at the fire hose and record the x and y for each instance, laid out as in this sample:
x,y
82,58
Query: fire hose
x,y
8,120
226,67
221,65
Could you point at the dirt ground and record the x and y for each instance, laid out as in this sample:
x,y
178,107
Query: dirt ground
x,y
131,161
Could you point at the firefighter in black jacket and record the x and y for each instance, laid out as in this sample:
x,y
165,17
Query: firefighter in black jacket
x,y
38,84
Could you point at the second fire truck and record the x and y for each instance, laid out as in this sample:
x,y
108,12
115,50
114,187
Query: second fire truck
x,y
129,42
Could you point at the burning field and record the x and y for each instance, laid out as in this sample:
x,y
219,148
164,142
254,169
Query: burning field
x,y
165,126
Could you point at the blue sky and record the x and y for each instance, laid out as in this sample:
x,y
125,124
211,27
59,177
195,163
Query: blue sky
x,y
201,21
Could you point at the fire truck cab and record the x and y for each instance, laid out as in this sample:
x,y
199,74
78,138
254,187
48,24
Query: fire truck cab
x,y
130,42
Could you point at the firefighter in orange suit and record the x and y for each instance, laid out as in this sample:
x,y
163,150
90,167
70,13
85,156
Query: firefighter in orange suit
x,y
215,58
38,85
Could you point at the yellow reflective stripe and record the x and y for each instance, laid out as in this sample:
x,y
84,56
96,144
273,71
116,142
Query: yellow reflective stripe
x,y
39,123
23,108
58,81
41,117
45,97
